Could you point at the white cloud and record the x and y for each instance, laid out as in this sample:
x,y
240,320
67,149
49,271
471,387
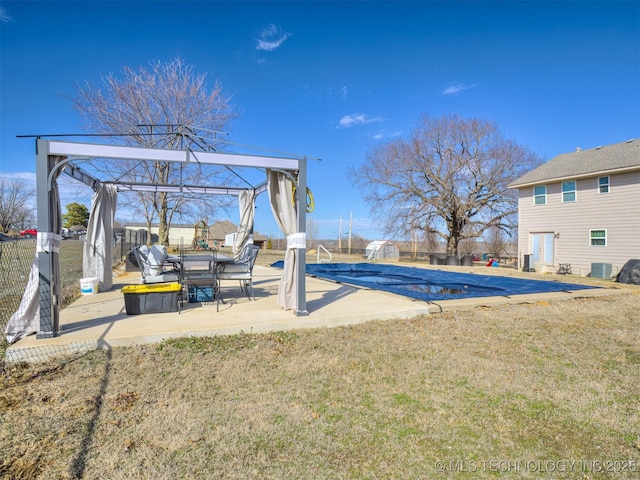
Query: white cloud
x,y
4,16
456,89
324,92
384,133
271,38
357,119
26,178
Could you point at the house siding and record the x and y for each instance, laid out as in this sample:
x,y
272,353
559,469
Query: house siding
x,y
617,212
178,235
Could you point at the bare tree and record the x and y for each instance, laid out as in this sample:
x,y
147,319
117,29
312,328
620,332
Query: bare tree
x,y
427,241
15,211
496,242
358,242
313,229
448,177
166,106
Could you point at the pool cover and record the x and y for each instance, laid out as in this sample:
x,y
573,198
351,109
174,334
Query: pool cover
x,y
430,285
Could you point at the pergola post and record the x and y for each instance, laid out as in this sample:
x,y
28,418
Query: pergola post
x,y
300,277
49,312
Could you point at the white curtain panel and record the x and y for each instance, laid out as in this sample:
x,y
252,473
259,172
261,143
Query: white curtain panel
x,y
97,259
246,202
280,188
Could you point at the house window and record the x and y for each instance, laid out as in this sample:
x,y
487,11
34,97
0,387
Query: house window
x,y
569,191
603,184
598,238
540,195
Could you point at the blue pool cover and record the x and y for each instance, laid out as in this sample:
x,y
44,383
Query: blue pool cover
x,y
430,285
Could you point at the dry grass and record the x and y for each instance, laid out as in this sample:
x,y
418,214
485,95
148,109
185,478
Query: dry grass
x,y
546,382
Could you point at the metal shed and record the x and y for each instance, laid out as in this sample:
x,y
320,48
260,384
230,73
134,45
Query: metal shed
x,y
382,250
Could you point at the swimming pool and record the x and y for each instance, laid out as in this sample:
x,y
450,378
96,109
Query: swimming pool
x,y
431,285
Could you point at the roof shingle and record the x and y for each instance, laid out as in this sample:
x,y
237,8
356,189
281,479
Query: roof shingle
x,y
599,160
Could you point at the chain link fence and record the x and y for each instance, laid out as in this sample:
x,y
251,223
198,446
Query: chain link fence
x,y
16,258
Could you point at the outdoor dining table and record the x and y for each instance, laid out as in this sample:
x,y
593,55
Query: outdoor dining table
x,y
201,261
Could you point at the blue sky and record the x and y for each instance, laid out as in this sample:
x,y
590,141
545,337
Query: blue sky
x,y
332,79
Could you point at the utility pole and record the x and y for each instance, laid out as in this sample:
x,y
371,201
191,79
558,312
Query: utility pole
x,y
414,243
350,225
340,236
414,236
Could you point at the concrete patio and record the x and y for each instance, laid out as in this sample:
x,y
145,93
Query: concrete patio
x,y
100,320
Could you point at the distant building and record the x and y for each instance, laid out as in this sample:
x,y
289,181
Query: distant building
x,y
188,236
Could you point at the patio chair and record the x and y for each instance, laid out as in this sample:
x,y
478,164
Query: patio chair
x,y
240,270
155,264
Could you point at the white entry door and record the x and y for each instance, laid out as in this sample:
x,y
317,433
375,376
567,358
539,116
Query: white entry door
x,y
542,245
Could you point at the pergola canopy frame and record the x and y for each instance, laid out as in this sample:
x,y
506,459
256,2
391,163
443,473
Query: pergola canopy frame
x,y
52,155
72,170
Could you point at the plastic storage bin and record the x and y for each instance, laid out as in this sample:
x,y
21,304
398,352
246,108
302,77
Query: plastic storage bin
x,y
200,294
152,298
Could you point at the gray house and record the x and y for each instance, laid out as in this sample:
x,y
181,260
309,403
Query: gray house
x,y
580,211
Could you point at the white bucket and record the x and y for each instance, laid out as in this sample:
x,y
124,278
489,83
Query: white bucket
x,y
89,286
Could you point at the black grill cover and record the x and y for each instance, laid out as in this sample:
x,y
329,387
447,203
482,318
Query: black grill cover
x,y
630,273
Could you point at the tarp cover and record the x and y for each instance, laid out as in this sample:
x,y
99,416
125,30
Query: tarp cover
x,y
431,285
630,273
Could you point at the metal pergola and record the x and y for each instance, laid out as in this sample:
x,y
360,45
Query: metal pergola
x,y
55,156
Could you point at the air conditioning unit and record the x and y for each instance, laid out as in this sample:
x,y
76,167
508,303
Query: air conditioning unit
x,y
601,270
528,264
